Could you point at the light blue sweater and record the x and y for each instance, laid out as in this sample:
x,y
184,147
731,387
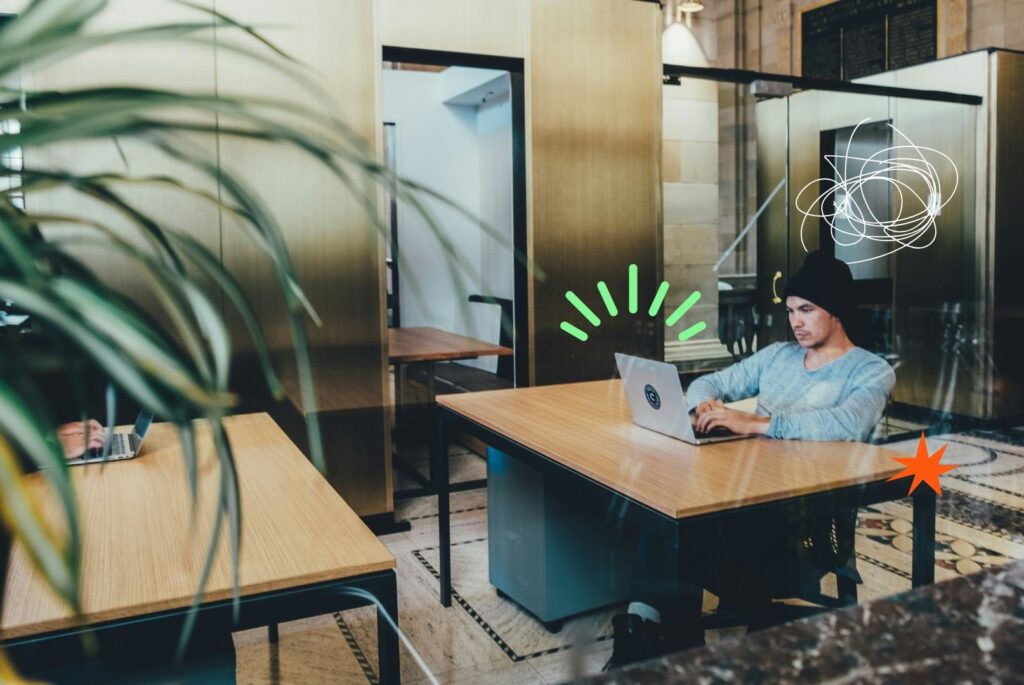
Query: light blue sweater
x,y
842,400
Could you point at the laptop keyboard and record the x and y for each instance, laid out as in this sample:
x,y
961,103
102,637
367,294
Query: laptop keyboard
x,y
118,445
713,433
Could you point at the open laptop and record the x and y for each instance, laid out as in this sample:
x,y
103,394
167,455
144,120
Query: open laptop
x,y
658,403
124,445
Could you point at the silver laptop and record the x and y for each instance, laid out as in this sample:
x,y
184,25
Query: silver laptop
x,y
658,403
123,445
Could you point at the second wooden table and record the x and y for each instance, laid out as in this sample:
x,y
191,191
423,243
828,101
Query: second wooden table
x,y
429,346
581,437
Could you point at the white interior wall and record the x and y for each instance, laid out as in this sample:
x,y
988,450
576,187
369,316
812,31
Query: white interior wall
x,y
494,128
465,153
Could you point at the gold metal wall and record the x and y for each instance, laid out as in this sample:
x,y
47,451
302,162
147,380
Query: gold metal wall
x,y
336,253
772,117
337,256
595,139
474,26
188,68
937,302
1007,276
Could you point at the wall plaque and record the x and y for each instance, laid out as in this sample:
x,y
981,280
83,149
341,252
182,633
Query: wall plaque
x,y
849,39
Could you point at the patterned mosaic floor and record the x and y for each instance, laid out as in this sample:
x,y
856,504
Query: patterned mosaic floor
x,y
483,638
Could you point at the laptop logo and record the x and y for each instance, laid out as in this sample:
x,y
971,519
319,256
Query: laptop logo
x,y
653,398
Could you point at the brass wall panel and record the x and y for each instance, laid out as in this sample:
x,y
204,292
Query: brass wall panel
x,y
1008,239
595,114
810,113
796,122
485,28
773,226
970,74
187,67
931,286
336,253
928,285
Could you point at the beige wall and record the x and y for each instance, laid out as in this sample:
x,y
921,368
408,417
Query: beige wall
x,y
330,237
337,253
769,37
595,79
486,28
592,83
191,69
337,256
690,176
593,133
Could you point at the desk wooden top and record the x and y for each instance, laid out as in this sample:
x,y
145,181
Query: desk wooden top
x,y
140,554
344,379
587,427
408,345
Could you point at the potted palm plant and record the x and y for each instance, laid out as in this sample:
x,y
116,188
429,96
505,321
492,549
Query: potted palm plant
x,y
177,366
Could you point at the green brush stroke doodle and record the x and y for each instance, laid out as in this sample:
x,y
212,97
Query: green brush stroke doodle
x,y
613,311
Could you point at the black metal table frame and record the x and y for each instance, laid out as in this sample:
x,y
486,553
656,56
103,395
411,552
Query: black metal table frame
x,y
428,485
263,609
680,533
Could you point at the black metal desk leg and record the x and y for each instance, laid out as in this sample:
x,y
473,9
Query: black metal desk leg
x,y
272,635
431,408
439,466
684,625
923,569
387,637
398,395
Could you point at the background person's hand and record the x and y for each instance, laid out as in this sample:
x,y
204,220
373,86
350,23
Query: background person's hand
x,y
708,405
739,422
72,437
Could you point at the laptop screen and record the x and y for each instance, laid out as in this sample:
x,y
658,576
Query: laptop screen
x,y
142,423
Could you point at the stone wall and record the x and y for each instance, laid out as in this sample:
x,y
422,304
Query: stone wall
x,y
690,177
769,39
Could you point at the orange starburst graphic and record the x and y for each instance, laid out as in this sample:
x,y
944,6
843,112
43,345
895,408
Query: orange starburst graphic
x,y
924,467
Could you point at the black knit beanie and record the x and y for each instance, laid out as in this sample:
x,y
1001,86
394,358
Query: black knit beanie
x,y
825,281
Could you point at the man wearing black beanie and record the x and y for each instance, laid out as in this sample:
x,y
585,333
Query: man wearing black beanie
x,y
821,387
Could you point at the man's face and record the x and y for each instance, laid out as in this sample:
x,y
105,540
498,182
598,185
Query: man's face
x,y
811,324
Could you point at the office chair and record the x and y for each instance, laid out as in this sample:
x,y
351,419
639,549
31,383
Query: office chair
x,y
505,364
737,322
454,377
826,545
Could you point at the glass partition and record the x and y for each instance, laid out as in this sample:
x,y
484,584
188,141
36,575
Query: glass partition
x,y
885,182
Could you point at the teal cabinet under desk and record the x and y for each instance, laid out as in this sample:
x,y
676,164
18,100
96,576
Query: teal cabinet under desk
x,y
550,553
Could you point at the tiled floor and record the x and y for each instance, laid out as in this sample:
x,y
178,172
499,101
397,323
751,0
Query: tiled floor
x,y
485,639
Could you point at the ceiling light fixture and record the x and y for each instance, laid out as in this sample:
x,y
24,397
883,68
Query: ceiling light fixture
x,y
686,8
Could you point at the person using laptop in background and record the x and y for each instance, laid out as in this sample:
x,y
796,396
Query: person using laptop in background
x,y
821,387
72,437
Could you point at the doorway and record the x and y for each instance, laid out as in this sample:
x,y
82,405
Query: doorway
x,y
455,122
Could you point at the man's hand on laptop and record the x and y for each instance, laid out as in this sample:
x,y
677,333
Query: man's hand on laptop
x,y
708,405
72,437
720,416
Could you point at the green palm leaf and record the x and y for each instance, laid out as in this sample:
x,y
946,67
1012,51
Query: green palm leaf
x,y
179,369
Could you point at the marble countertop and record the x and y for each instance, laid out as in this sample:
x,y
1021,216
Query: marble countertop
x,y
966,630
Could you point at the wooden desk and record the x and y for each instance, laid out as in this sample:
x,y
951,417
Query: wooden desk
x,y
582,437
411,345
430,345
303,549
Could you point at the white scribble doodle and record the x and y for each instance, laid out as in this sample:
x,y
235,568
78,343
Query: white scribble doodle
x,y
916,193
